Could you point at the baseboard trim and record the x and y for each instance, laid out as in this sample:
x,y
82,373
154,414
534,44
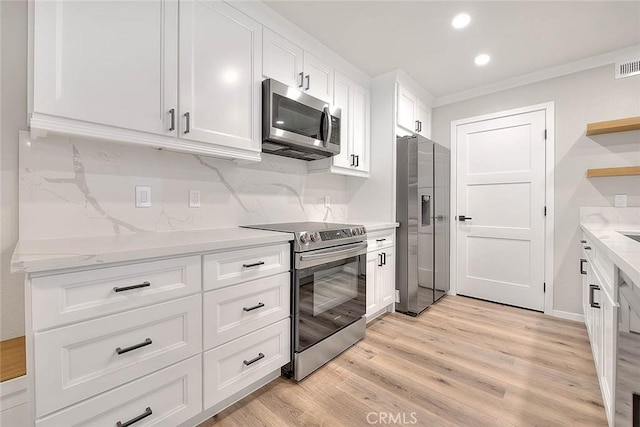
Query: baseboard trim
x,y
568,316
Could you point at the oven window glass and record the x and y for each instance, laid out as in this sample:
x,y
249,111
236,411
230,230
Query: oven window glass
x,y
295,117
329,297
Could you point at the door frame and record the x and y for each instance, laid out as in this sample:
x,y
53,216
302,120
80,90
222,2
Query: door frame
x,y
549,109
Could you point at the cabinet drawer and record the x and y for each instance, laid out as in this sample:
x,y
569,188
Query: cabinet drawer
x,y
380,239
231,367
76,362
228,268
173,395
237,310
74,297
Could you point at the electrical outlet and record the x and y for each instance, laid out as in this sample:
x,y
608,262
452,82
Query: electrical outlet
x,y
143,197
397,296
194,198
620,200
327,201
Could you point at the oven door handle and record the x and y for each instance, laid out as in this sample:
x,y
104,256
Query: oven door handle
x,y
329,255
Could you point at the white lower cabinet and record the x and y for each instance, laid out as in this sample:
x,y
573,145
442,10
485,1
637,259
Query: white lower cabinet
x,y
601,321
135,359
165,398
380,276
235,365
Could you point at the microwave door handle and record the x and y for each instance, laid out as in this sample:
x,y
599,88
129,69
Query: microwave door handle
x,y
326,135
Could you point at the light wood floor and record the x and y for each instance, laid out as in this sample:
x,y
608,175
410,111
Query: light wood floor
x,y
12,359
463,362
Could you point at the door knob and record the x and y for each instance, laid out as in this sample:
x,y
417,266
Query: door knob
x,y
463,218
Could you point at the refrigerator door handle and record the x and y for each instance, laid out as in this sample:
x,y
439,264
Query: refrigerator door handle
x,y
425,210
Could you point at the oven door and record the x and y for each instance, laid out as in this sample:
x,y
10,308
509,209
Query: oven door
x,y
329,292
296,119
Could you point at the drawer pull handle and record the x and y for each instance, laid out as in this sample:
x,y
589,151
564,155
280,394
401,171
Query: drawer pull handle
x,y
255,264
255,307
129,288
587,248
254,360
380,240
583,241
134,347
132,421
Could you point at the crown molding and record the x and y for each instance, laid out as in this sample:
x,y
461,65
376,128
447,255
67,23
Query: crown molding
x,y
537,76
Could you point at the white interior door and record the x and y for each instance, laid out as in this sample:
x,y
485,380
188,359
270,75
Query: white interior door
x,y
501,186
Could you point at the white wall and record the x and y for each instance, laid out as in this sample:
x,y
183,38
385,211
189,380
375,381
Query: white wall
x,y
13,117
580,98
74,187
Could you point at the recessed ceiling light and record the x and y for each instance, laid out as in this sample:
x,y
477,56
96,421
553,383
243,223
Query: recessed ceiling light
x,y
461,20
482,59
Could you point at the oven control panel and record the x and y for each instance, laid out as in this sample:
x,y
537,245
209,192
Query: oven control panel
x,y
316,239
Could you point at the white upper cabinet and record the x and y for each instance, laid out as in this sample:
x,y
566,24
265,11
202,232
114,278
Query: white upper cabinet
x,y
413,116
354,102
343,98
220,75
318,78
282,60
424,120
111,63
407,110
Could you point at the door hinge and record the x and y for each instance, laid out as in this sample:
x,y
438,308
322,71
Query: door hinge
x,y
544,287
545,134
545,211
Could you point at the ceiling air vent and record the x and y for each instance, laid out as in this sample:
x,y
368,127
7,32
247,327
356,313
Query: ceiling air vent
x,y
628,68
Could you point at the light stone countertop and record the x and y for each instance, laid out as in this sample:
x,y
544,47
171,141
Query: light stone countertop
x,y
606,226
32,256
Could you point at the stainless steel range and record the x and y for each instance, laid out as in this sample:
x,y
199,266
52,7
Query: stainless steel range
x,y
329,291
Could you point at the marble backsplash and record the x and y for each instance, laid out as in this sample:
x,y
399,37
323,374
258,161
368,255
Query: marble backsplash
x,y
74,187
610,217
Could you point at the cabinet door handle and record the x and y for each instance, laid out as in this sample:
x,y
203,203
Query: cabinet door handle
x,y
417,126
308,82
254,360
357,160
255,307
129,288
132,421
134,347
187,123
593,288
384,258
255,264
301,79
582,263
379,260
172,126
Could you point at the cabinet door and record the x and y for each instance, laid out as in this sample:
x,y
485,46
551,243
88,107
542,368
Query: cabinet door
x,y
407,110
424,119
360,121
343,98
281,59
318,78
104,62
373,259
609,333
386,279
220,75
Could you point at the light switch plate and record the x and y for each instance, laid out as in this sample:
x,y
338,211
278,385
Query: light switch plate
x,y
397,295
143,197
620,200
194,198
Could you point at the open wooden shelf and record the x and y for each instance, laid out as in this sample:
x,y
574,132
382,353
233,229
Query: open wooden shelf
x,y
613,126
12,359
623,171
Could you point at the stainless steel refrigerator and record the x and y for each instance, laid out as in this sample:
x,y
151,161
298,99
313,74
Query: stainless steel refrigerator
x,y
422,209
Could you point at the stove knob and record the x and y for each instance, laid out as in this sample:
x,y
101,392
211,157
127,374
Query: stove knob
x,y
315,237
303,239
355,231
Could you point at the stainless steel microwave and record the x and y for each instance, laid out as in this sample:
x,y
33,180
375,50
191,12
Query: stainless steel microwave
x,y
298,125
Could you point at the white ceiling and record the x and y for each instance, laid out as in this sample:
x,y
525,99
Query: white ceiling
x,y
417,36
